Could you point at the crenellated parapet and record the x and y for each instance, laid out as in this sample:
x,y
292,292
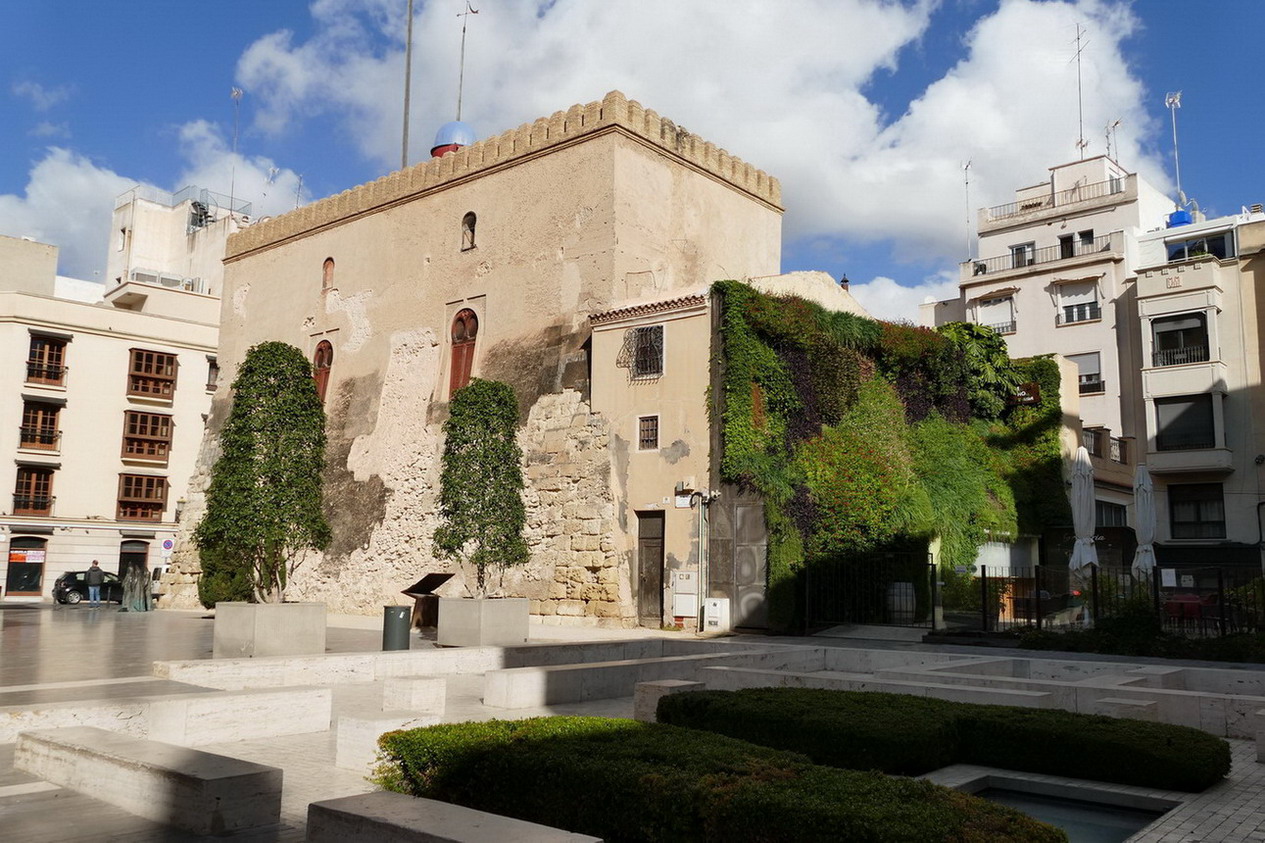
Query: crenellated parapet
x,y
613,110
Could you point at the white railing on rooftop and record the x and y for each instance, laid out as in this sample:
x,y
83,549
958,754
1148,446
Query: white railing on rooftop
x,y
192,193
1032,204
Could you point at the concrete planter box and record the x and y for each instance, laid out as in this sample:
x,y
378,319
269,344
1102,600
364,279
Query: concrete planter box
x,y
483,622
243,630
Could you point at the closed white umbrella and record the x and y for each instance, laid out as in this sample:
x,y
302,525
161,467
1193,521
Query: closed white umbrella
x,y
1144,514
1083,554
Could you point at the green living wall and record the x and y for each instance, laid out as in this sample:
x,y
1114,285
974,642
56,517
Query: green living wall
x,y
863,436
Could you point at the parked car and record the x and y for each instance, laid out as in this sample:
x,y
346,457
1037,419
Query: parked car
x,y
71,588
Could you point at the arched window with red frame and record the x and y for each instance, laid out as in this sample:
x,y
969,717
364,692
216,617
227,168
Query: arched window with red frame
x,y
321,363
465,327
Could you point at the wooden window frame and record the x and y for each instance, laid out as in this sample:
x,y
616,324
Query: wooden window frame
x,y
645,426
33,491
152,374
147,436
46,360
142,497
322,362
39,426
464,342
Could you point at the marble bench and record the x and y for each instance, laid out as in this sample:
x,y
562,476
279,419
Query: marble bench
x,y
180,787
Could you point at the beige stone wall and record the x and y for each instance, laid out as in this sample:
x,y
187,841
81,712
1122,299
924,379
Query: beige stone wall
x,y
28,266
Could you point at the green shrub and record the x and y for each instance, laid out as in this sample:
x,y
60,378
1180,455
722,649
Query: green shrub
x,y
897,733
626,781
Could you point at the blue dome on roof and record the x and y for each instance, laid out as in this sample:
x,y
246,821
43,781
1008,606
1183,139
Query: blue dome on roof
x,y
456,132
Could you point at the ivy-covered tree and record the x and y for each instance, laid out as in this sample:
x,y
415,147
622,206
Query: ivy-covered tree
x,y
263,507
481,481
990,375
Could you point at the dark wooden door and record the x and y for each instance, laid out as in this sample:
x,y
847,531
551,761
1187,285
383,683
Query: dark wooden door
x,y
650,568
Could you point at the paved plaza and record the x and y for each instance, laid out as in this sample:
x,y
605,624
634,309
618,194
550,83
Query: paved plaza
x,y
59,655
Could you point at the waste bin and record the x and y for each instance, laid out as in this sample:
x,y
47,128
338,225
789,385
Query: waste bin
x,y
395,627
426,607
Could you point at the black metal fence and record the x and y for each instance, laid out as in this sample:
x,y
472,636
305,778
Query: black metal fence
x,y
1199,602
880,588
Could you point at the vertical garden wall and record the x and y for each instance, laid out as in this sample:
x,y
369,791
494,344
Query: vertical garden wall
x,y
864,436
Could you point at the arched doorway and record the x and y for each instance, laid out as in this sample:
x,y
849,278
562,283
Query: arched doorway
x,y
321,363
25,574
465,328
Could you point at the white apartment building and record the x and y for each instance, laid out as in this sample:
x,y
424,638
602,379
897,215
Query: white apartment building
x,y
1200,365
1054,275
105,400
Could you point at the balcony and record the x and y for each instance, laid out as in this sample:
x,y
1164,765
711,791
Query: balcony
x,y
1210,459
26,505
1002,327
1101,444
1091,385
39,438
1107,245
1180,356
1031,205
45,374
1073,313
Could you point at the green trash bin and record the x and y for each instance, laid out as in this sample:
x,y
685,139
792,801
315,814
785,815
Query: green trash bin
x,y
395,627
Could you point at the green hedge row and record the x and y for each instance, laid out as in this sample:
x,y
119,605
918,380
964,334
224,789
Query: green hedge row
x,y
626,781
898,733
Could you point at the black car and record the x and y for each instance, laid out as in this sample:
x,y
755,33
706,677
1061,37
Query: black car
x,y
72,588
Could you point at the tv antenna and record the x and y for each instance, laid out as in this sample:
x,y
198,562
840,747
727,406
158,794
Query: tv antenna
x,y
1173,101
1081,143
461,72
966,174
408,78
1111,138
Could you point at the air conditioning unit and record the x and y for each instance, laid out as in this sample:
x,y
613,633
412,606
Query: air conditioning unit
x,y
144,277
173,281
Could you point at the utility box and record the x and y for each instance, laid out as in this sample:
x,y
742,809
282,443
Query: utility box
x,y
716,614
685,594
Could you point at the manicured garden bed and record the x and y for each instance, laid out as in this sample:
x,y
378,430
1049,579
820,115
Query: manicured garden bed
x,y
898,733
626,781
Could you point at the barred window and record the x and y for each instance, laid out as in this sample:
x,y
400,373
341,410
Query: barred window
x,y
142,497
648,351
648,433
152,374
146,436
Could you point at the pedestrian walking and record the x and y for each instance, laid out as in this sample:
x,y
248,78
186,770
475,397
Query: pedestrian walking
x,y
94,578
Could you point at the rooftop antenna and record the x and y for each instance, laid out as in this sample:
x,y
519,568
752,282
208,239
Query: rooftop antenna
x,y
298,192
1111,138
1173,100
1081,143
461,73
966,173
236,94
408,78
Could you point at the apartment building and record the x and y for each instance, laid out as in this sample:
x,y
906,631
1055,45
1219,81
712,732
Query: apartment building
x,y
1202,419
105,396
1054,274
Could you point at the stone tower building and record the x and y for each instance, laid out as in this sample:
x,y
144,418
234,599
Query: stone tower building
x,y
502,260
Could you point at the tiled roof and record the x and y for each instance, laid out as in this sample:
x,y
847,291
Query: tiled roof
x,y
648,308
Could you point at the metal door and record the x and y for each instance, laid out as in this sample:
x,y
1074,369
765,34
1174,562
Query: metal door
x,y
650,568
750,567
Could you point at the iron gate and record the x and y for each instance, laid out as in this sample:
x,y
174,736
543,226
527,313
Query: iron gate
x,y
897,589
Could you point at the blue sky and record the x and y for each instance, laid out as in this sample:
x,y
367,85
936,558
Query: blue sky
x,y
865,110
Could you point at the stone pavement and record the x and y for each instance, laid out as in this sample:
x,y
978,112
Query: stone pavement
x,y
73,653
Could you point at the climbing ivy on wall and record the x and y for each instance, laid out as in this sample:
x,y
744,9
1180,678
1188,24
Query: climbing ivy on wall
x,y
863,435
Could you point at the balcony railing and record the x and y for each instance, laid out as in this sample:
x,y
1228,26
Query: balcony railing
x,y
1003,327
38,437
1100,443
1021,259
37,372
1092,385
1178,356
1197,441
27,505
1073,313
1071,196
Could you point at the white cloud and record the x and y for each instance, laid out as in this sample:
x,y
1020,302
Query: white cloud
x,y
67,202
47,129
884,298
257,179
779,84
41,97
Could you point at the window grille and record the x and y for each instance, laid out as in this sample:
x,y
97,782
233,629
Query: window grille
x,y
642,353
648,433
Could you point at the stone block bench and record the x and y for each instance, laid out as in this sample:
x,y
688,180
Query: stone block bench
x,y
220,717
386,817
180,787
356,738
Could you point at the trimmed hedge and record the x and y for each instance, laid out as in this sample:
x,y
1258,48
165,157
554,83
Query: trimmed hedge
x,y
898,733
627,781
